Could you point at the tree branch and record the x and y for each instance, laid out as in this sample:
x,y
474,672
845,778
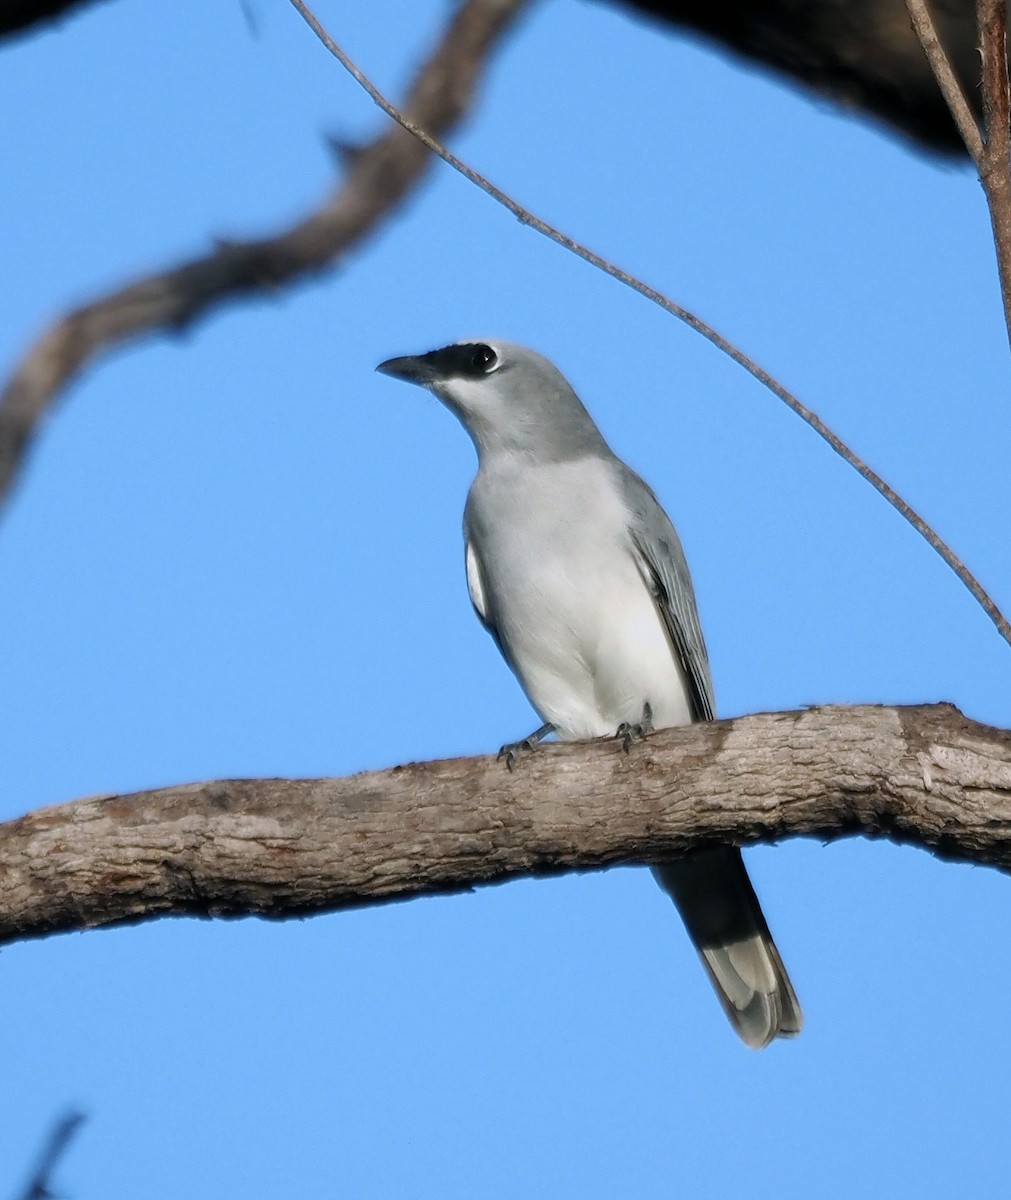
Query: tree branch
x,y
379,176
951,88
925,776
995,158
39,1187
992,154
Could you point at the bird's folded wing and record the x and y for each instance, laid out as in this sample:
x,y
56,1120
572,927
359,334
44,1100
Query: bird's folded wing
x,y
661,561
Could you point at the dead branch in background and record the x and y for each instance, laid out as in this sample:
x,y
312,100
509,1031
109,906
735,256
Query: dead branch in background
x,y
379,176
278,848
990,153
694,322
40,1185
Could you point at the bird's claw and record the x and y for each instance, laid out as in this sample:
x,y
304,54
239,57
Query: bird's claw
x,y
512,750
629,732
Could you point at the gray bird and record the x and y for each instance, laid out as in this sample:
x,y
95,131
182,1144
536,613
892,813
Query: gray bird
x,y
577,573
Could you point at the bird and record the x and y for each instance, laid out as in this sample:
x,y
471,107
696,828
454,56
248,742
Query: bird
x,y
577,573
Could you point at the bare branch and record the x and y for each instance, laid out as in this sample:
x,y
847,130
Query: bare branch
x,y
40,1185
378,178
277,848
995,161
991,155
972,584
947,80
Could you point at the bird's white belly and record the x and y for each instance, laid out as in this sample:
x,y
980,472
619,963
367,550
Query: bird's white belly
x,y
580,626
592,658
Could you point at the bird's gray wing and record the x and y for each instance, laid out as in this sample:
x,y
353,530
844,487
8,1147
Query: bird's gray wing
x,y
662,563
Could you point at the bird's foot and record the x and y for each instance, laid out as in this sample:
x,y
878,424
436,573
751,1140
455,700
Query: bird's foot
x,y
512,750
629,732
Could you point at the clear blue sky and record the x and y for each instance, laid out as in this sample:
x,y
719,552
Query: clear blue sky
x,y
238,553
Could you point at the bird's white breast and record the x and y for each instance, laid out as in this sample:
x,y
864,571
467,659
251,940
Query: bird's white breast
x,y
555,568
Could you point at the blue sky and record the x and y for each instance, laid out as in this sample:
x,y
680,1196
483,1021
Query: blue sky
x,y
237,553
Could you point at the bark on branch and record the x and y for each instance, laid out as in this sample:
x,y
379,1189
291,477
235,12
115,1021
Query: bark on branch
x,y
925,776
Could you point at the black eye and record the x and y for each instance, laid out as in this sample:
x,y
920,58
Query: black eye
x,y
483,359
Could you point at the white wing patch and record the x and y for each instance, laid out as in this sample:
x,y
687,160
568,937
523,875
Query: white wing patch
x,y
475,585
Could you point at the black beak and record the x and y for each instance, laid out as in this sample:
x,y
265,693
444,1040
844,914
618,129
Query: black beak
x,y
411,368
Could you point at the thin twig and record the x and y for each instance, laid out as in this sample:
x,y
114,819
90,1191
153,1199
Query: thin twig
x,y
947,80
38,1187
995,163
990,152
522,214
379,175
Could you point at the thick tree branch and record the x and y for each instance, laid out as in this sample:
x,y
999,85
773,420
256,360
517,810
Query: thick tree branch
x,y
925,776
379,176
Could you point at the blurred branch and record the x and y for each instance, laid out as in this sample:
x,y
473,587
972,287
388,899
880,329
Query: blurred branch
x,y
924,776
975,588
20,16
39,1187
855,55
992,154
379,176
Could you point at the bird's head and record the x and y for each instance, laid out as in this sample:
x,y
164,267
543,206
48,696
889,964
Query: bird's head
x,y
506,396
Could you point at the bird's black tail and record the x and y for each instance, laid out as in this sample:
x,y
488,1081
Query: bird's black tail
x,y
721,912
